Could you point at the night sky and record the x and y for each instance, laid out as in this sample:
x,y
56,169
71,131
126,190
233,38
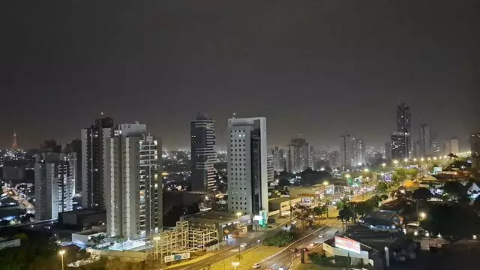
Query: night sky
x,y
317,67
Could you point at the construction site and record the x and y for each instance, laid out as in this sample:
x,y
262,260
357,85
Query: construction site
x,y
183,240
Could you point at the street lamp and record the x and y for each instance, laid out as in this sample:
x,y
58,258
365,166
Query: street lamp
x,y
406,160
325,183
62,252
422,159
395,162
235,264
423,215
365,170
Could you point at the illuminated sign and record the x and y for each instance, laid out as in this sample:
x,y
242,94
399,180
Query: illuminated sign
x,y
347,244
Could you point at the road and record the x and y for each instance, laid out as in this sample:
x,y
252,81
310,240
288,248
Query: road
x,y
227,252
285,258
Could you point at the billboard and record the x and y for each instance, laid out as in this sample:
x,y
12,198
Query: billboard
x,y
177,257
347,244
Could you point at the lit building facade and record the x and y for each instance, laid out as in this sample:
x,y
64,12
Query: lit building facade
x,y
93,139
247,165
475,149
399,145
270,168
133,186
203,155
299,155
54,184
425,142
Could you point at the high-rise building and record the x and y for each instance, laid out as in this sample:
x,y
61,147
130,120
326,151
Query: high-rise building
x,y
76,147
436,145
311,156
475,149
51,146
334,159
358,152
346,151
278,159
388,150
202,137
299,155
404,126
93,139
454,146
270,168
425,142
133,186
54,184
404,118
247,165
400,146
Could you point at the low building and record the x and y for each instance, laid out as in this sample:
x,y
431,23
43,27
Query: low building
x,y
281,206
86,238
82,219
383,220
9,243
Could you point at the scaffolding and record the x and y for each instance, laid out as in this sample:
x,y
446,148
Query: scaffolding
x,y
183,239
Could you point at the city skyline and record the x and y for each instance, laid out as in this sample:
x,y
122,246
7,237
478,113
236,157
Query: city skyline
x,y
347,70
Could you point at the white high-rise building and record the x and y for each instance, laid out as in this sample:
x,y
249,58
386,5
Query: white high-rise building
x,y
247,165
54,184
271,168
133,186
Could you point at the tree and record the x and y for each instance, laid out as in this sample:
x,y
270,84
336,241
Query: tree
x,y
382,187
284,182
384,197
421,194
476,203
327,205
345,215
320,210
280,239
453,222
304,214
455,189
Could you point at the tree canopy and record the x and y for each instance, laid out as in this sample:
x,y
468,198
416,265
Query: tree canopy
x,y
422,194
453,222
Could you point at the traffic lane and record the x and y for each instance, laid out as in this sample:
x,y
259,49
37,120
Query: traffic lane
x,y
286,257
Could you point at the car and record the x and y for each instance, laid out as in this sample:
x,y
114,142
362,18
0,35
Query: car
x,y
293,250
256,266
243,245
312,244
320,235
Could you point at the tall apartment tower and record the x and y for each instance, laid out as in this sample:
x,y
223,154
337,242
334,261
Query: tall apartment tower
x,y
346,151
454,146
475,149
133,186
425,140
54,184
278,159
270,169
358,152
76,147
247,165
399,146
299,154
404,127
202,136
93,140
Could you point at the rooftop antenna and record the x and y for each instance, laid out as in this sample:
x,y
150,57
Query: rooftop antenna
x,y
234,115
